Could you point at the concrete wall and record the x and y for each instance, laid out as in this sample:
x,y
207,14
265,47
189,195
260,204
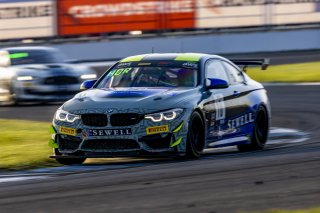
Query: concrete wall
x,y
227,43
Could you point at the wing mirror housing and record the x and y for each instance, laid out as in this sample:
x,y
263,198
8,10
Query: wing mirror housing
x,y
87,84
216,83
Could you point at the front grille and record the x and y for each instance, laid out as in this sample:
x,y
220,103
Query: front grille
x,y
95,119
157,141
61,80
110,144
68,143
125,119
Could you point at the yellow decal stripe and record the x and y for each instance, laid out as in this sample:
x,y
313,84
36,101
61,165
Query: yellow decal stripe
x,y
178,128
188,57
133,58
52,130
52,144
177,142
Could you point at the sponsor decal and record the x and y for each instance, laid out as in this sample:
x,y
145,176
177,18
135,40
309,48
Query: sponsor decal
x,y
84,134
109,132
240,121
190,65
157,129
120,71
67,131
26,19
236,3
130,8
125,64
25,11
165,63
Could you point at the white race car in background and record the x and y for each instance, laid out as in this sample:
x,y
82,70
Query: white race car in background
x,y
39,74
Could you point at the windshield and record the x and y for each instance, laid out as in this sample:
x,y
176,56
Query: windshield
x,y
149,76
35,57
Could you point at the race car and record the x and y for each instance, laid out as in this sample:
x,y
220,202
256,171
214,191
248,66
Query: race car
x,y
163,105
39,74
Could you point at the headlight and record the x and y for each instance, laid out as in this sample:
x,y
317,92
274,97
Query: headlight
x,y
62,115
166,115
88,76
24,78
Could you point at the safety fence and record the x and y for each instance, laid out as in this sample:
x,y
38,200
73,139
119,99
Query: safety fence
x,y
50,18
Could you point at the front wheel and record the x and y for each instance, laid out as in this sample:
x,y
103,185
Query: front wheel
x,y
196,137
259,133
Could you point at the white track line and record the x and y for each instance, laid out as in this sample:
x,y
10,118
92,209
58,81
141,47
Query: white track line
x,y
292,84
276,136
22,178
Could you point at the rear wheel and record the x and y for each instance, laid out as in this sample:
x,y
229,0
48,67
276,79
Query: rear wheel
x,y
195,137
259,132
68,161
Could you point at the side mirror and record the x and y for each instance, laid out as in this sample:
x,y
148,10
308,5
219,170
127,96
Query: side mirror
x,y
87,84
216,83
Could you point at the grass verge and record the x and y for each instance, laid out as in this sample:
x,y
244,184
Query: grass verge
x,y
312,210
290,73
24,145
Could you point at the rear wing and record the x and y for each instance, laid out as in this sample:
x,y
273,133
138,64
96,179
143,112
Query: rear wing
x,y
264,63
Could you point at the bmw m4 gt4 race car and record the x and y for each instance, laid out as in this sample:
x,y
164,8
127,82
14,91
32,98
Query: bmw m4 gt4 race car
x,y
163,104
38,74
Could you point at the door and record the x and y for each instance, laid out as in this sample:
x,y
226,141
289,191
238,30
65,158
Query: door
x,y
222,105
240,114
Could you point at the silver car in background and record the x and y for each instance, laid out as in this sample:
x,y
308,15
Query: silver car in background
x,y
39,74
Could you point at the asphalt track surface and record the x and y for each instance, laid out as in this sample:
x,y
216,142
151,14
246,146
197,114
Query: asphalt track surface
x,y
282,176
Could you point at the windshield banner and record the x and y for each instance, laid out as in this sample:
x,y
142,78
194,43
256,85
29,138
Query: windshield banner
x,y
27,19
96,16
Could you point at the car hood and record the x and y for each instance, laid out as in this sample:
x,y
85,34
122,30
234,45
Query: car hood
x,y
140,100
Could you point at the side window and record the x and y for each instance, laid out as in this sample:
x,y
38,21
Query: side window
x,y
234,74
214,69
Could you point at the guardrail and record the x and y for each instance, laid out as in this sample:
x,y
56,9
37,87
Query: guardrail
x,y
53,20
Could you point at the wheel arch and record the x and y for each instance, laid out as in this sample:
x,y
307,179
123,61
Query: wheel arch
x,y
266,106
201,113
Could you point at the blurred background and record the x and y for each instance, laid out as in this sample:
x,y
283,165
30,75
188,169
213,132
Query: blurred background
x,y
92,30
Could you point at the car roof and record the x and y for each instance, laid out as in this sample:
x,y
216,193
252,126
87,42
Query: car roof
x,y
191,57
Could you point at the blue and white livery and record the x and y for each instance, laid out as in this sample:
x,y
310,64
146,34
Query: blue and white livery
x,y
163,104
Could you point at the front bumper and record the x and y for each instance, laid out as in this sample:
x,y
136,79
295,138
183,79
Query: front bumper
x,y
76,140
27,91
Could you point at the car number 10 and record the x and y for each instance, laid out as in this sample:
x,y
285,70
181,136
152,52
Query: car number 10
x,y
220,107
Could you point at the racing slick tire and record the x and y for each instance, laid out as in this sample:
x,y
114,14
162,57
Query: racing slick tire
x,y
68,161
259,133
195,137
